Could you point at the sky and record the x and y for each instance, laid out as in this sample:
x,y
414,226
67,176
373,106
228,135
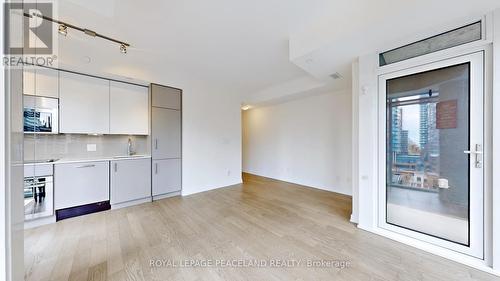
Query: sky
x,y
411,122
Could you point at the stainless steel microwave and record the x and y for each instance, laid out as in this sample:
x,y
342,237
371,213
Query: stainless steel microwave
x,y
41,115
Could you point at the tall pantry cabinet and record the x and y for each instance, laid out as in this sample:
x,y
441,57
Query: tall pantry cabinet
x,y
166,138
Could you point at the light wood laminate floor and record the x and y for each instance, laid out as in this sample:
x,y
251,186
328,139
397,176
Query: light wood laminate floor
x,y
261,220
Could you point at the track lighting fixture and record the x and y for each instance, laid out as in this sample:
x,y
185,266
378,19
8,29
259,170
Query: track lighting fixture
x,y
63,29
123,48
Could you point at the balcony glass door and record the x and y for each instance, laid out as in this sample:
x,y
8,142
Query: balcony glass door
x,y
432,176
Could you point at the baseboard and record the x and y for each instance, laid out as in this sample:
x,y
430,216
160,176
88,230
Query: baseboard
x,y
130,203
167,195
353,219
205,189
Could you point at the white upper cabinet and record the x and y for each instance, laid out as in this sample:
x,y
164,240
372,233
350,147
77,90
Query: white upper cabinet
x,y
46,82
84,104
41,82
166,97
29,82
129,109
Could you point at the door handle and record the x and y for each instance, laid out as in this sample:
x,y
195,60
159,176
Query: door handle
x,y
85,166
116,167
478,153
156,143
156,168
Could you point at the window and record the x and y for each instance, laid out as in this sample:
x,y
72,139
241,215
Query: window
x,y
453,38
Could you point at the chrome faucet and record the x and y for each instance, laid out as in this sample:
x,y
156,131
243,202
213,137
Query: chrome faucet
x,y
129,147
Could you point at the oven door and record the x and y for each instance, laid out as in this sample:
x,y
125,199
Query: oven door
x,y
41,115
38,197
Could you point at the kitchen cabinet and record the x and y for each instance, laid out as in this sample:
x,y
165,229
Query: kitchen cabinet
x,y
166,133
42,82
29,82
130,180
77,184
84,104
166,176
32,170
166,97
129,109
166,140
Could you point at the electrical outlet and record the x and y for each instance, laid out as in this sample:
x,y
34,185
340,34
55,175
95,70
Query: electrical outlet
x,y
91,147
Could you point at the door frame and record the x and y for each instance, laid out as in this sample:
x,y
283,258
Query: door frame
x,y
482,251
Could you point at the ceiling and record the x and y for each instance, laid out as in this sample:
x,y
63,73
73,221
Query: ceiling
x,y
239,46
242,47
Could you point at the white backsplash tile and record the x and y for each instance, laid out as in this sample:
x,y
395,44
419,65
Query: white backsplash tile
x,y
38,147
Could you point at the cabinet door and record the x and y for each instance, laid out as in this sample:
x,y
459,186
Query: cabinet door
x,y
166,176
29,81
130,180
77,184
84,104
129,109
42,82
166,97
47,82
166,133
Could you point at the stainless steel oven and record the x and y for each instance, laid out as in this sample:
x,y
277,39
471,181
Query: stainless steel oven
x,y
41,115
38,191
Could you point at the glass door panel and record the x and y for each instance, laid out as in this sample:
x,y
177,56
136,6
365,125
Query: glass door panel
x,y
431,159
427,169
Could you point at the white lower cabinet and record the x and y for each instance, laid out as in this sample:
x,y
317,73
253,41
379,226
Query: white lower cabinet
x,y
130,180
77,184
166,176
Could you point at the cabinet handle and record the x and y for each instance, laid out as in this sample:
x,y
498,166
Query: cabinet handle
x,y
116,167
86,166
156,168
156,143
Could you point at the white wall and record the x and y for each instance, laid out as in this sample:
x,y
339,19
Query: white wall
x,y
305,141
496,140
366,143
355,142
11,169
211,140
3,170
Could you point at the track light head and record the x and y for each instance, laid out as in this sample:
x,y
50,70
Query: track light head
x,y
63,29
123,48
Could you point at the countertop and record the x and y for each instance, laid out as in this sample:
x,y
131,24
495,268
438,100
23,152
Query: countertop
x,y
90,159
